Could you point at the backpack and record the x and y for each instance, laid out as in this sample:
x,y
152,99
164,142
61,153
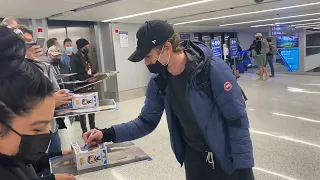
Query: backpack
x,y
204,83
265,46
273,49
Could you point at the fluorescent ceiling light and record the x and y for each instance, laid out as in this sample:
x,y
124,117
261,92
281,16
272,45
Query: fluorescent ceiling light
x,y
305,24
263,25
271,19
308,27
291,22
158,10
248,13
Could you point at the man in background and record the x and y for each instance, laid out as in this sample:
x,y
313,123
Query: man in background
x,y
270,56
68,52
261,57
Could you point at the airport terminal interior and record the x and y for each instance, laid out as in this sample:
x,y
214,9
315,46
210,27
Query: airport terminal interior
x,y
282,105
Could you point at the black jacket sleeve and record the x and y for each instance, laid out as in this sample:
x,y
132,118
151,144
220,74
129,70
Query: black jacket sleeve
x,y
49,177
78,66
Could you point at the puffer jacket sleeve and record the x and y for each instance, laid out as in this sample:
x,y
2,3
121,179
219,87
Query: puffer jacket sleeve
x,y
229,100
148,119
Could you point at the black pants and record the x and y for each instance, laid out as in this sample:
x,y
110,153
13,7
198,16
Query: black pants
x,y
83,122
197,167
270,61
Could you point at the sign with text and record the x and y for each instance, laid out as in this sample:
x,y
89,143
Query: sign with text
x,y
233,48
282,31
216,48
291,57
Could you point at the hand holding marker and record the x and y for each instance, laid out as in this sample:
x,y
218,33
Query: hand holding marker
x,y
86,145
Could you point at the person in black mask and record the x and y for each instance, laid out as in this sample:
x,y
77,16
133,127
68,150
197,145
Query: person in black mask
x,y
26,109
81,64
206,113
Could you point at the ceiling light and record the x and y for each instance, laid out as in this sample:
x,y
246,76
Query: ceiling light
x,y
307,27
158,10
291,22
263,20
305,24
263,25
248,13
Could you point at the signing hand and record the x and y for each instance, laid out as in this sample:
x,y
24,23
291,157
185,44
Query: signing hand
x,y
62,97
93,139
34,52
64,177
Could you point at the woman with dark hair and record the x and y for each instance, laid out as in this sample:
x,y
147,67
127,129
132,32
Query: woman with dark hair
x,y
26,109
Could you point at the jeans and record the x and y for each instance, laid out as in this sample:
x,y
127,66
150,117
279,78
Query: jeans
x,y
270,61
55,145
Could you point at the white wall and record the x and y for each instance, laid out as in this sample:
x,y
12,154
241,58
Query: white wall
x,y
131,75
246,38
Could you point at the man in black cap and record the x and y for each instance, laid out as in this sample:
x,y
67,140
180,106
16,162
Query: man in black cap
x,y
206,113
81,64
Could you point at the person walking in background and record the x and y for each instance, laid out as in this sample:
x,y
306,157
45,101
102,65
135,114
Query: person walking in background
x,y
270,56
68,52
81,64
261,48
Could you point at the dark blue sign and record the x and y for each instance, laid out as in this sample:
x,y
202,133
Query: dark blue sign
x,y
216,47
282,31
185,36
233,48
291,57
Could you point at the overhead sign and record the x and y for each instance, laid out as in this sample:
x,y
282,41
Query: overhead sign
x,y
185,36
282,31
216,47
233,48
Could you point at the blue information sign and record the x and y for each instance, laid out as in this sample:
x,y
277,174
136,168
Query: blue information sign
x,y
282,31
216,47
291,56
233,48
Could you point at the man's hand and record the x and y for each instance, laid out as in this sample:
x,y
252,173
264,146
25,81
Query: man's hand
x,y
62,97
34,52
66,152
64,177
93,139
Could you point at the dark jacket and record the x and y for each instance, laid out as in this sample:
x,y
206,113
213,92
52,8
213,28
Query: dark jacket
x,y
258,46
223,121
78,65
11,168
61,68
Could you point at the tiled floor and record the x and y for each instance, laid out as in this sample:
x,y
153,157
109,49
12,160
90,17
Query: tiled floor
x,y
285,129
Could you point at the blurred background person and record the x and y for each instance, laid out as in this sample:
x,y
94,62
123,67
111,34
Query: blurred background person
x,y
26,109
270,56
11,22
261,58
81,64
68,52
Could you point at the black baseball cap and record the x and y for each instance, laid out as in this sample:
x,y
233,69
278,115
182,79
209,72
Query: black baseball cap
x,y
150,35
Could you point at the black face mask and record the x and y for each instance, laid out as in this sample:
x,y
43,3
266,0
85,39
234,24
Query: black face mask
x,y
157,67
85,51
257,38
33,147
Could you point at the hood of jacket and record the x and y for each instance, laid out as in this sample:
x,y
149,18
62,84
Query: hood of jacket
x,y
198,55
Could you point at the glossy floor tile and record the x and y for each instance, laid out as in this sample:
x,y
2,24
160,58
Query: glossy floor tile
x,y
285,129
